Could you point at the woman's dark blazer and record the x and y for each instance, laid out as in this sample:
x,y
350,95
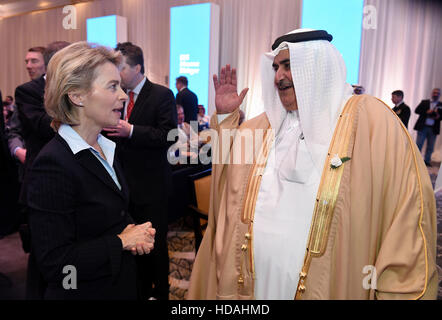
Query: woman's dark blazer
x,y
76,212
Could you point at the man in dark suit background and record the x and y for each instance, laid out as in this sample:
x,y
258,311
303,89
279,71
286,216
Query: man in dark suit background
x,y
401,109
36,67
35,122
149,114
187,99
35,126
428,123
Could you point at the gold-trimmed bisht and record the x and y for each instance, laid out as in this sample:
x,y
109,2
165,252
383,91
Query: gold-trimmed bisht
x,y
325,201
327,193
248,210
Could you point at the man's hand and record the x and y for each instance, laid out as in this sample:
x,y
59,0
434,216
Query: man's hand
x,y
20,154
227,99
122,129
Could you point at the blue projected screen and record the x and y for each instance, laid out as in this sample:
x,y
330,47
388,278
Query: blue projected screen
x,y
190,48
343,20
102,30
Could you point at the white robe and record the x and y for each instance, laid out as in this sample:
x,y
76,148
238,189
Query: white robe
x,y
283,213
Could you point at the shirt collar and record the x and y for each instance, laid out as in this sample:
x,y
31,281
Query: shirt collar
x,y
77,143
183,88
137,89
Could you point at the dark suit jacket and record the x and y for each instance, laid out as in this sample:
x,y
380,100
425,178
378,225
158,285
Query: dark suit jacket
x,y
75,213
421,110
189,101
35,122
144,155
403,111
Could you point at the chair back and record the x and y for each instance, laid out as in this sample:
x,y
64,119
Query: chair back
x,y
200,191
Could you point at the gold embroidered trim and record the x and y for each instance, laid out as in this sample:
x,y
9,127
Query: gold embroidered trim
x,y
327,192
252,190
255,179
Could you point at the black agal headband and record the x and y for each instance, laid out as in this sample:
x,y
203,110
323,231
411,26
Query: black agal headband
x,y
303,36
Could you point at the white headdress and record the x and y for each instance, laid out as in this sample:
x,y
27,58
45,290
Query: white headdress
x,y
319,78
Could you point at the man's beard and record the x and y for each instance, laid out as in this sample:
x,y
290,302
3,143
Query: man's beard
x,y
284,84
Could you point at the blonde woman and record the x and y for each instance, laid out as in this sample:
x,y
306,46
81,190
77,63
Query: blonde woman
x,y
83,237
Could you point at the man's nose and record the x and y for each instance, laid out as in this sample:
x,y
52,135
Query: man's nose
x,y
280,75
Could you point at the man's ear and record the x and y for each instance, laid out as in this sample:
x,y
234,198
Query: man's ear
x,y
138,68
76,98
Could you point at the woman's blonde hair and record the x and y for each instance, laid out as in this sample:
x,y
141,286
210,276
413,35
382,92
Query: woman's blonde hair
x,y
73,68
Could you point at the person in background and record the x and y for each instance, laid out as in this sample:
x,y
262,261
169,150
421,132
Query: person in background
x,y
36,131
400,108
428,123
357,89
187,99
203,118
35,64
186,147
36,68
142,146
34,125
10,103
7,113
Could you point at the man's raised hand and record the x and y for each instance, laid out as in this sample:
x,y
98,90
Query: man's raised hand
x,y
227,99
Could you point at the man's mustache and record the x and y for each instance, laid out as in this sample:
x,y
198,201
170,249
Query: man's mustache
x,y
284,84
